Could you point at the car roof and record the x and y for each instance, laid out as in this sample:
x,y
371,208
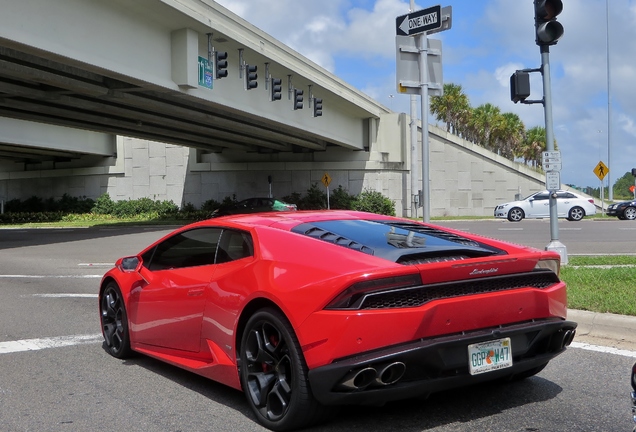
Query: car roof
x,y
291,219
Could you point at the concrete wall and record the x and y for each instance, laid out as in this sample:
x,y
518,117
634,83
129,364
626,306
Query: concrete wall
x,y
466,180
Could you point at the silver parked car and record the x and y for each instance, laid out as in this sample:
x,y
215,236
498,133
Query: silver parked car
x,y
536,206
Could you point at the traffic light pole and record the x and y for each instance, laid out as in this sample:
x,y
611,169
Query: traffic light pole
x,y
555,244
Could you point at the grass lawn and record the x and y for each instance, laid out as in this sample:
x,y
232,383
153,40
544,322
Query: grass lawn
x,y
601,283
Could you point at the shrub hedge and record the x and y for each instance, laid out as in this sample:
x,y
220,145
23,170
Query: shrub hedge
x,y
77,209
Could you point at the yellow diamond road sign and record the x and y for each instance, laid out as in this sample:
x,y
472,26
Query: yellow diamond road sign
x,y
326,179
601,170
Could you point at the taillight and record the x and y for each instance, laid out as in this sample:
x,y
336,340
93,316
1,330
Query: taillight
x,y
550,264
591,200
352,296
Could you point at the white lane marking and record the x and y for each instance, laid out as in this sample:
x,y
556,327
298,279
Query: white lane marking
x,y
52,342
604,266
509,229
61,295
569,229
96,265
50,276
603,349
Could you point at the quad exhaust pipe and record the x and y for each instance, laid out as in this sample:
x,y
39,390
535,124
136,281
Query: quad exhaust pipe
x,y
568,337
362,378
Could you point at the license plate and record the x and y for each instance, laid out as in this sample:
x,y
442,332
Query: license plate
x,y
489,356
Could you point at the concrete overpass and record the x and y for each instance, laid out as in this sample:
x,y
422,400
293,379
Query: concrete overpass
x,y
132,68
105,96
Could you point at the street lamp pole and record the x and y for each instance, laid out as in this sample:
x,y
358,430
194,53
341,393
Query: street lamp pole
x,y
609,107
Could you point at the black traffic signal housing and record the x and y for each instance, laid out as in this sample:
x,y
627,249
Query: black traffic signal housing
x,y
548,29
277,88
220,62
250,77
317,107
634,172
298,99
519,86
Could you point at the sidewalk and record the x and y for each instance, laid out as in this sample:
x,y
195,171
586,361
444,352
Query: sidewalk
x,y
603,325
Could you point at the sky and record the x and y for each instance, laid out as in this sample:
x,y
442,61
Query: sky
x,y
593,91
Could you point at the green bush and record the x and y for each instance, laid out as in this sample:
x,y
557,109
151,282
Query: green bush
x,y
315,199
374,202
210,205
293,198
340,199
104,205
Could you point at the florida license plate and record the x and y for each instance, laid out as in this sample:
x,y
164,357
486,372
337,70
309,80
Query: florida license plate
x,y
489,356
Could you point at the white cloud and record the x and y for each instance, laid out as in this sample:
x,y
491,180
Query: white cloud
x,y
489,39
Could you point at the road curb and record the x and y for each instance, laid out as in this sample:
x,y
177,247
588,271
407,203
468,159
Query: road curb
x,y
604,325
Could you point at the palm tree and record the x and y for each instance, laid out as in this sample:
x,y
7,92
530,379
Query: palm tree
x,y
533,145
451,108
511,135
485,123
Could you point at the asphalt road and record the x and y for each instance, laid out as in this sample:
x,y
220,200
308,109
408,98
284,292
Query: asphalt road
x,y
55,375
589,236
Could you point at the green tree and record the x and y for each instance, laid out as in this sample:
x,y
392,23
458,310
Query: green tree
x,y
533,145
486,124
622,185
510,136
452,108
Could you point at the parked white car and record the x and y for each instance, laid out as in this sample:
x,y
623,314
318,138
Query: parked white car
x,y
536,206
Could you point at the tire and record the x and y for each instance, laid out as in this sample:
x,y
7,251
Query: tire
x,y
516,214
576,214
630,213
274,374
114,320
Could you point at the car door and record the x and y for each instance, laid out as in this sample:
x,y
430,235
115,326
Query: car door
x,y
539,206
178,272
565,201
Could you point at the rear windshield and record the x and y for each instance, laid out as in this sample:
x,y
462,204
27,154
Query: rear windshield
x,y
395,240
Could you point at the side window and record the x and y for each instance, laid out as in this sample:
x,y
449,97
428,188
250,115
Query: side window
x,y
191,248
541,197
234,245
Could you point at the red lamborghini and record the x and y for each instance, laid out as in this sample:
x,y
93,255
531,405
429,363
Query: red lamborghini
x,y
304,311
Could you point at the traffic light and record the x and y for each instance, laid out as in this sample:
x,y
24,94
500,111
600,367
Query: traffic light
x,y
298,99
634,172
220,58
519,86
317,107
277,88
548,30
250,77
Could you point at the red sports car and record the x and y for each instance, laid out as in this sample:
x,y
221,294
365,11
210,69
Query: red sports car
x,y
305,311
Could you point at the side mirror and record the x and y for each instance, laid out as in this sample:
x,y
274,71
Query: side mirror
x,y
129,264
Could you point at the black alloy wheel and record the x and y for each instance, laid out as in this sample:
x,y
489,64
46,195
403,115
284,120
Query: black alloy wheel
x,y
114,322
274,374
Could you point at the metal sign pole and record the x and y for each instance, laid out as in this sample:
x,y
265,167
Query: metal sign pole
x,y
554,244
426,187
413,126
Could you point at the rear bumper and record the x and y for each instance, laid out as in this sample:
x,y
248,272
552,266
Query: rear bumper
x,y
432,365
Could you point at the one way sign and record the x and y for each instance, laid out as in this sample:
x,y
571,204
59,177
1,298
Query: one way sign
x,y
419,21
